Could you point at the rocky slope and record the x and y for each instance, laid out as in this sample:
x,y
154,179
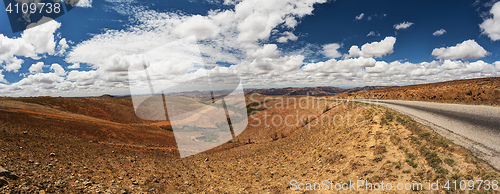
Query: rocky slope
x,y
66,150
472,91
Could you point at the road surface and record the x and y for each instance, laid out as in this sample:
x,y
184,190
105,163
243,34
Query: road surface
x,y
475,127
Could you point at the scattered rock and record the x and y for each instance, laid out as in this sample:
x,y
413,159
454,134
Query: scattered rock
x,y
25,132
87,183
6,173
3,182
52,154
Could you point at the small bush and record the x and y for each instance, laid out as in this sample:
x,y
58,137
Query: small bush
x,y
274,136
388,115
167,127
383,121
380,149
449,161
378,158
433,159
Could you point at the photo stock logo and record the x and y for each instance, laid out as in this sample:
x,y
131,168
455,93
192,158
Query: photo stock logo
x,y
25,14
170,83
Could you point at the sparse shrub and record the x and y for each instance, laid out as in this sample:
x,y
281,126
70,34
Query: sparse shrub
x,y
412,163
389,116
167,127
456,176
400,120
378,158
442,172
326,108
398,165
274,136
380,149
411,160
383,121
433,159
443,143
449,161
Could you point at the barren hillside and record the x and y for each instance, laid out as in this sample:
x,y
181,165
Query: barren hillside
x,y
57,148
473,91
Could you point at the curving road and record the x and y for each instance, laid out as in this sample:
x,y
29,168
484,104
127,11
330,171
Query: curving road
x,y
475,127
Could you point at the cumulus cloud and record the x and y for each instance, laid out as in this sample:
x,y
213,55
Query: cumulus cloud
x,y
62,46
266,51
84,3
2,77
14,65
287,36
58,70
439,32
374,49
74,66
491,26
229,36
237,37
32,43
360,16
36,68
199,26
331,50
403,25
468,49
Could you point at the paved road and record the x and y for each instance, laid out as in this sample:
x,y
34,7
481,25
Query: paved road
x,y
474,127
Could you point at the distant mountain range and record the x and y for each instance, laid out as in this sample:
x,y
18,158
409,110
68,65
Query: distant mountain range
x,y
311,91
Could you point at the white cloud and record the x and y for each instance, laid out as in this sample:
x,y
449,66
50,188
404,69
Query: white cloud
x,y
42,37
360,16
403,25
331,50
497,65
62,46
231,36
84,3
287,36
491,26
33,42
200,26
36,68
74,66
439,32
373,33
374,49
58,70
267,51
240,37
2,77
468,49
83,77
14,65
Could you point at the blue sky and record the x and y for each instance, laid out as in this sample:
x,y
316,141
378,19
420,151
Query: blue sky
x,y
289,43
